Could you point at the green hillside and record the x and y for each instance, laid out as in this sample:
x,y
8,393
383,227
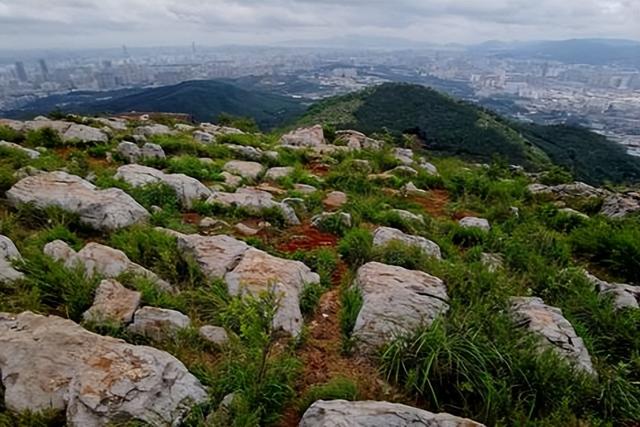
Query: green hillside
x,y
459,128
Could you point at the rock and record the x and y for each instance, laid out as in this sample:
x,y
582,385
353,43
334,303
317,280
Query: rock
x,y
245,230
53,363
220,130
8,254
403,171
129,151
304,188
369,413
410,189
573,212
204,137
249,170
254,201
42,122
113,303
258,272
403,155
109,209
289,214
216,255
112,122
246,151
152,130
16,125
304,137
395,301
181,127
277,173
214,334
230,180
139,139
618,205
208,222
357,140
473,222
430,168
408,216
319,220
158,323
334,200
493,262
187,189
152,151
100,259
32,154
554,330
83,133
382,236
624,296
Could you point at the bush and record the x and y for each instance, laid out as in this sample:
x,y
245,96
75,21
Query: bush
x,y
356,247
351,299
45,137
8,134
336,388
194,167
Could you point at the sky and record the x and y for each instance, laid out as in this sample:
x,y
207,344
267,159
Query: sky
x,y
26,24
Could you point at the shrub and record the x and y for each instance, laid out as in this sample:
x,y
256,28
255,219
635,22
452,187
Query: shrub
x,y
8,134
356,247
45,137
194,167
351,300
336,388
309,298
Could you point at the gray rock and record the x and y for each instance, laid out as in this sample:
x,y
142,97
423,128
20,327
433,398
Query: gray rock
x,y
334,200
254,201
277,173
203,137
624,296
553,329
32,154
304,188
84,133
42,122
246,151
403,155
214,334
158,323
493,262
245,230
396,301
8,254
405,171
430,168
410,189
249,170
108,209
208,222
129,151
319,220
231,180
113,303
181,127
304,137
620,205
473,222
153,130
408,216
357,140
100,259
187,189
152,151
369,413
384,235
260,272
573,212
53,363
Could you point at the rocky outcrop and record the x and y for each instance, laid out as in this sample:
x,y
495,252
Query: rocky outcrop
x,y
153,130
259,272
395,302
129,151
32,154
108,209
304,137
246,151
100,259
620,204
158,324
553,329
152,151
322,219
52,363
203,137
187,189
369,413
83,133
8,254
474,222
113,303
384,235
403,155
248,170
254,201
357,140
624,296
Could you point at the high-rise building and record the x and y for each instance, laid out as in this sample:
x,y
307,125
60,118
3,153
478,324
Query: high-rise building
x,y
44,69
21,72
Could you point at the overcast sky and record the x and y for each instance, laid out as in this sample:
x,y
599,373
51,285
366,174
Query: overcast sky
x,y
111,23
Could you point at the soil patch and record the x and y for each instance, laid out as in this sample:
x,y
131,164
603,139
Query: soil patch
x,y
434,202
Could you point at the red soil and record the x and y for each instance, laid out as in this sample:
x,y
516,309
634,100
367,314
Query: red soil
x,y
434,202
305,237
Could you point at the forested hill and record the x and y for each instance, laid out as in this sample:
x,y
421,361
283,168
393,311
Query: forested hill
x,y
460,128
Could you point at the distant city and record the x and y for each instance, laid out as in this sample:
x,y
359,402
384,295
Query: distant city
x,y
523,84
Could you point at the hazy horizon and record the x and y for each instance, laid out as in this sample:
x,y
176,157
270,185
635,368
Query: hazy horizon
x,y
83,24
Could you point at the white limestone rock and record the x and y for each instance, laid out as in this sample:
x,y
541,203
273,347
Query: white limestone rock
x,y
304,137
382,236
158,323
474,222
32,154
624,295
8,254
249,170
113,303
83,133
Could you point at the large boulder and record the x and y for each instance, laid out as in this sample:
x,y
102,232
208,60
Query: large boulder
x,y
554,330
152,151
158,323
113,303
51,363
258,272
384,235
396,301
32,154
369,413
624,296
100,259
8,254
108,209
129,151
83,133
187,189
304,137
249,170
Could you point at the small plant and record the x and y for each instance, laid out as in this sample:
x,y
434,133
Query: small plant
x,y
351,305
356,247
336,388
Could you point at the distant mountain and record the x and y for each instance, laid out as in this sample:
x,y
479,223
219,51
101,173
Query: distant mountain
x,y
574,51
460,128
203,99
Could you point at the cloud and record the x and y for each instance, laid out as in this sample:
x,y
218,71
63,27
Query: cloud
x,y
87,23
